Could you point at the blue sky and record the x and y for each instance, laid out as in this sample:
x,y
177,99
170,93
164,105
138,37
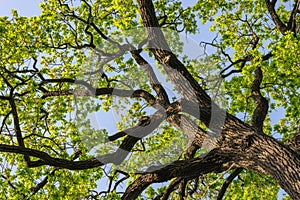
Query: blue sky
x,y
24,7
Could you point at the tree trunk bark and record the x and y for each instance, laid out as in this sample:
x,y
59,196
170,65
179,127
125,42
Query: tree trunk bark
x,y
239,143
277,160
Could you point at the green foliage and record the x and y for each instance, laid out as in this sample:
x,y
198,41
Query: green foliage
x,y
57,45
252,186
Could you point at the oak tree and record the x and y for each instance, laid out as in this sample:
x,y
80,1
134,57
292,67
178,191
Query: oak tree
x,y
215,134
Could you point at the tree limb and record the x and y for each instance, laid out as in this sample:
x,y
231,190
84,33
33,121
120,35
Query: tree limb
x,y
278,23
171,187
133,135
105,91
262,107
17,127
228,180
184,82
292,20
163,98
214,161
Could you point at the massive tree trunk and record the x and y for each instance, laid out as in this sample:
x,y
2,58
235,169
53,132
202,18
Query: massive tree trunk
x,y
237,145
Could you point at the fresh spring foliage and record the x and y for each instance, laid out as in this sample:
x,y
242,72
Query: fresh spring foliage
x,y
45,58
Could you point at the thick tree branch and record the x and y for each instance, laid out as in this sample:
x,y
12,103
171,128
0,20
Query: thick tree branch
x,y
4,97
261,109
182,79
214,161
292,20
163,98
133,135
272,156
105,91
195,133
278,23
184,82
46,159
261,153
17,127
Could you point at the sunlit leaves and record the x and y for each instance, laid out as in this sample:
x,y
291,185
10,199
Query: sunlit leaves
x,y
69,39
175,16
249,186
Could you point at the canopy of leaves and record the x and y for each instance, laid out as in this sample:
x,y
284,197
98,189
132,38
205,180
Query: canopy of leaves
x,y
77,58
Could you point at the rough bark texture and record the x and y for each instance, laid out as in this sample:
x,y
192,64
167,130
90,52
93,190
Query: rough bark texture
x,y
238,144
